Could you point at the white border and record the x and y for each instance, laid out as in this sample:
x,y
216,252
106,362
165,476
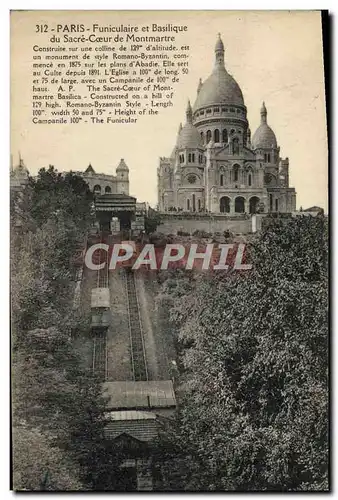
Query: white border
x,y
4,184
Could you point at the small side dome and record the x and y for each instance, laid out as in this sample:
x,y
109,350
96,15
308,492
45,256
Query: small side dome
x,y
122,166
173,153
264,137
189,137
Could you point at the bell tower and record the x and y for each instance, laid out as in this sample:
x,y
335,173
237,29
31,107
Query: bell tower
x,y
122,176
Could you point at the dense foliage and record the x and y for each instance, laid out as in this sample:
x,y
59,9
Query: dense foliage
x,y
253,363
151,221
58,413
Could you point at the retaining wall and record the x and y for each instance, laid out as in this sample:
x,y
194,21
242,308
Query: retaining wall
x,y
171,224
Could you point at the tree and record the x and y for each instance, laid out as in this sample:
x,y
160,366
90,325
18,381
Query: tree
x,y
253,411
53,395
54,193
151,221
38,465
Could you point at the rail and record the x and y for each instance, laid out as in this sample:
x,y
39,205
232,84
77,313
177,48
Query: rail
x,y
100,347
138,355
102,274
100,357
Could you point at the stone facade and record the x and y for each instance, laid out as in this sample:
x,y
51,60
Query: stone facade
x,y
98,183
214,166
108,184
172,223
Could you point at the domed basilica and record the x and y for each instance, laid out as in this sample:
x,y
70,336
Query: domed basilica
x,y
215,166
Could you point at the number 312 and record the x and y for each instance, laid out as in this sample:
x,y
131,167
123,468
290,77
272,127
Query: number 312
x,y
41,28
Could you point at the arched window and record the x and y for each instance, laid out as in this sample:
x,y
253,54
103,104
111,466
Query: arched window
x,y
97,189
271,202
202,137
189,158
224,204
276,204
225,135
253,204
221,179
239,205
235,146
199,204
208,136
249,179
216,135
193,157
188,204
107,189
236,173
193,203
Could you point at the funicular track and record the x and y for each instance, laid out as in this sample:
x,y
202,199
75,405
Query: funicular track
x,y
100,348
138,355
100,367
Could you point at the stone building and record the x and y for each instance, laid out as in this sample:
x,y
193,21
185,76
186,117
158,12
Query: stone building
x,y
215,166
98,183
19,176
115,210
108,184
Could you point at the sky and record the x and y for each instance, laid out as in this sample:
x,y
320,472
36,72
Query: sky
x,y
275,56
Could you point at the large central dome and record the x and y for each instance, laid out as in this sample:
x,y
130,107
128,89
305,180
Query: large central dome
x,y
220,87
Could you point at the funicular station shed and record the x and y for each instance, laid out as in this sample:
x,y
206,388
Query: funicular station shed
x,y
138,411
115,212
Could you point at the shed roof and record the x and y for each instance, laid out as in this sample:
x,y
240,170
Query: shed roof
x,y
140,425
137,395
